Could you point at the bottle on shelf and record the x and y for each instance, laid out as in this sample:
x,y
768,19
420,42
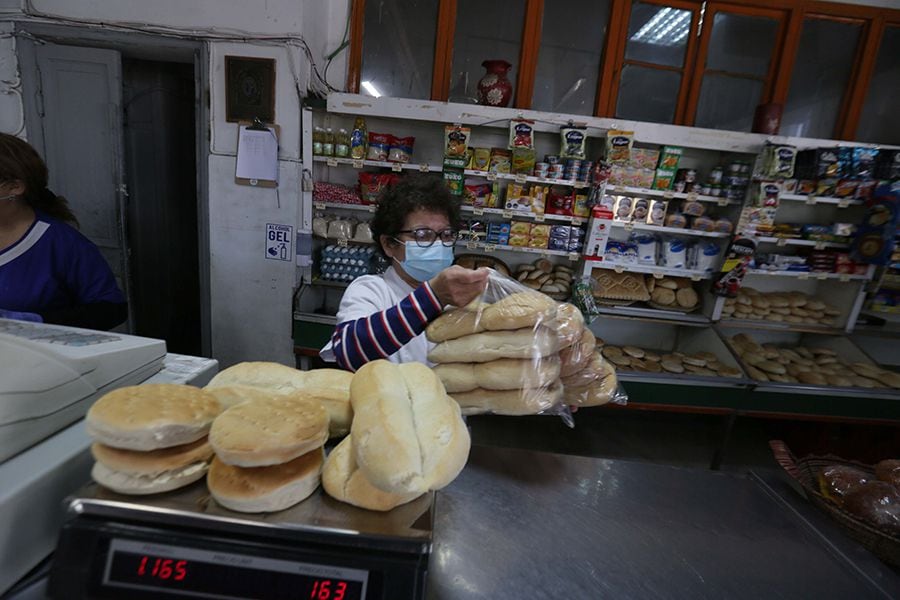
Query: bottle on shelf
x,y
328,142
342,144
318,137
359,139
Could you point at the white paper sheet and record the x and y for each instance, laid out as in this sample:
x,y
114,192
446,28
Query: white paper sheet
x,y
257,156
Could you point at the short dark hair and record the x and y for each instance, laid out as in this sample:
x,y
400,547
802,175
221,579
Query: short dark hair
x,y
413,192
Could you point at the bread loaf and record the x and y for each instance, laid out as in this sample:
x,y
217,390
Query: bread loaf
x,y
519,310
343,481
331,387
596,370
455,323
492,345
501,374
596,393
569,324
408,435
152,416
578,355
510,402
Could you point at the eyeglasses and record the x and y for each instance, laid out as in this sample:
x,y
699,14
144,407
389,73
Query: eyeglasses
x,y
425,237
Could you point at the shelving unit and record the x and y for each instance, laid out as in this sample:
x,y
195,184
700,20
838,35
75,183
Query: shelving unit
x,y
654,270
803,275
340,206
812,199
655,314
520,178
669,230
515,214
473,245
818,245
334,161
633,191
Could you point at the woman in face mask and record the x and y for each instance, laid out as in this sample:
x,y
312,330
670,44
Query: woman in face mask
x,y
48,271
384,316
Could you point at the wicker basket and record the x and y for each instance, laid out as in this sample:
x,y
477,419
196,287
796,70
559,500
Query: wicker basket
x,y
806,471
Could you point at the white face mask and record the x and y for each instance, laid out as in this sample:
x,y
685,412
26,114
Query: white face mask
x,y
10,197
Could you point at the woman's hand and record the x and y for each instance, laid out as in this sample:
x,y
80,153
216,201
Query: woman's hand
x,y
458,286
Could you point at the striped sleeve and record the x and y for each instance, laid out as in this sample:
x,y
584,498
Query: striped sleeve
x,y
383,333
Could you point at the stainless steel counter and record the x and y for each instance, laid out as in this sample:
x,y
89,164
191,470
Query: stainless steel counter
x,y
520,524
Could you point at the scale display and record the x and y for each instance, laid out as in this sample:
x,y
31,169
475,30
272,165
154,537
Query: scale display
x,y
194,572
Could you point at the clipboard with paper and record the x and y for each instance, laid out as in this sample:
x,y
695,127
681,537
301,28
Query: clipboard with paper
x,y
257,155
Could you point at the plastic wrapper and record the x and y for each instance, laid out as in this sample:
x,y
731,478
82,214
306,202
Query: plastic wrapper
x,y
340,229
503,354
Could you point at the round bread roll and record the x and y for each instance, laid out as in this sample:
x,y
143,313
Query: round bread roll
x,y
839,381
780,302
760,302
577,356
663,295
569,324
514,373
889,378
523,309
726,371
230,395
651,356
265,489
863,382
687,297
457,377
152,416
138,472
652,366
749,291
633,351
596,393
491,345
771,367
672,365
811,378
612,351
408,435
331,387
621,361
342,480
667,283
694,361
756,373
510,402
269,432
456,322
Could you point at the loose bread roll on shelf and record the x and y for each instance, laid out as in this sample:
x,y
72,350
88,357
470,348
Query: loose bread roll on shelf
x,y
527,342
344,481
408,435
331,387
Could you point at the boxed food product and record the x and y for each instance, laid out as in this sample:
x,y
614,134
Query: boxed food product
x,y
576,239
523,160
676,220
538,242
581,208
647,247
498,233
477,194
501,160
864,160
456,140
540,230
669,158
559,237
621,252
520,241
644,158
520,228
663,179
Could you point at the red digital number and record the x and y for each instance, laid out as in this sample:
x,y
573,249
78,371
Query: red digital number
x,y
325,590
164,568
165,571
180,570
340,590
155,570
142,568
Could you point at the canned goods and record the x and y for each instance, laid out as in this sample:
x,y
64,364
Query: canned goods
x,y
706,189
715,176
734,168
715,190
551,159
678,186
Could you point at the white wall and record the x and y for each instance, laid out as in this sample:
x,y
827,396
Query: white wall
x,y
251,312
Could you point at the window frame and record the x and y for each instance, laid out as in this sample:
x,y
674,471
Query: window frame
x,y
791,15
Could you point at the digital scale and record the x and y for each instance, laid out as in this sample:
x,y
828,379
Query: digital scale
x,y
181,544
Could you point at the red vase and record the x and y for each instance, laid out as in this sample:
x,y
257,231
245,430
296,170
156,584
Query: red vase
x,y
494,89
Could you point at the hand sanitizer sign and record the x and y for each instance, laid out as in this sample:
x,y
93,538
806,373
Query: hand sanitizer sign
x,y
279,242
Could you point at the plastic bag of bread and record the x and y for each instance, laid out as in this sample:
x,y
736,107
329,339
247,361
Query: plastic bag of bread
x,y
501,354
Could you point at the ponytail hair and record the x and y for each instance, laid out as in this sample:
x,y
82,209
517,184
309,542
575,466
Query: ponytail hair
x,y
20,162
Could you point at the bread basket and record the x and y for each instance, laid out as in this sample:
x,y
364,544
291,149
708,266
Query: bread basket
x,y
805,471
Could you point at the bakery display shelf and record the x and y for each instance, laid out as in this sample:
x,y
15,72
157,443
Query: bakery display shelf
x,y
813,199
683,379
825,390
518,214
333,161
627,225
342,206
502,248
781,326
621,189
522,178
808,275
796,242
656,271
655,314
345,241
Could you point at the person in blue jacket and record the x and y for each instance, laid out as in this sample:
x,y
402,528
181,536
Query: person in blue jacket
x,y
49,272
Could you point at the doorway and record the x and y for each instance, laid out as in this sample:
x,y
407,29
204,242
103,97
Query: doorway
x,y
161,221
126,111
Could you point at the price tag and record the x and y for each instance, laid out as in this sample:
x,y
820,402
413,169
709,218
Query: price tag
x,y
803,276
612,189
423,167
491,176
844,277
471,245
668,195
539,218
542,179
576,221
782,242
811,199
619,269
507,214
331,162
657,275
722,201
397,167
819,245
478,211
319,205
490,247
691,197
822,276
629,226
343,242
574,256
843,203
521,178
695,277
371,208
580,185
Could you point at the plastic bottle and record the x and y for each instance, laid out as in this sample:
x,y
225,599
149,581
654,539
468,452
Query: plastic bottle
x,y
359,139
328,143
342,144
318,134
